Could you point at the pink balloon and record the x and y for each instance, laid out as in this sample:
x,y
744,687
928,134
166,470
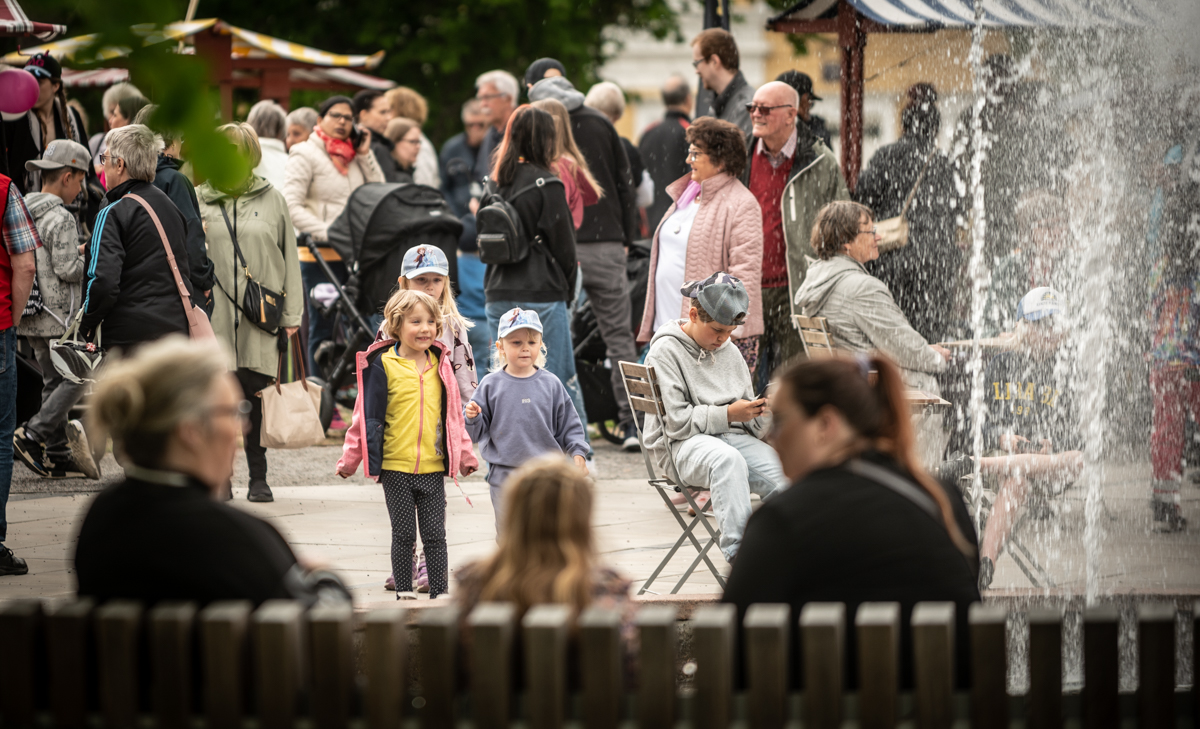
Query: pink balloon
x,y
18,91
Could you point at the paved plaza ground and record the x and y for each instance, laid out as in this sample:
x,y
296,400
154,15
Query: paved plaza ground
x,y
345,524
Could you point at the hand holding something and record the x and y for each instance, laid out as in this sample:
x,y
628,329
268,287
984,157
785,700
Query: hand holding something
x,y
290,331
471,410
473,205
945,353
580,463
464,470
743,411
365,146
344,474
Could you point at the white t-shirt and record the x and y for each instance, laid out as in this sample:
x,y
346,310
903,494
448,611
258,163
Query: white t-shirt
x,y
672,256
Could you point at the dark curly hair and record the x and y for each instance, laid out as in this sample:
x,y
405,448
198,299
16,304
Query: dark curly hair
x,y
722,141
837,226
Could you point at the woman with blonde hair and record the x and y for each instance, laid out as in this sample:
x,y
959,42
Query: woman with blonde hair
x,y
409,104
569,163
250,237
175,413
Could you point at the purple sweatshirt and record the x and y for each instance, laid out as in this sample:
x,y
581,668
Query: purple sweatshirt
x,y
521,418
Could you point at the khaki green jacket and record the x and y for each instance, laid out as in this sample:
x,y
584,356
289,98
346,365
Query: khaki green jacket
x,y
268,243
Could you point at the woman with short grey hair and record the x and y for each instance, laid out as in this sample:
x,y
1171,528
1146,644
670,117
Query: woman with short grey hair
x,y
130,293
300,123
270,124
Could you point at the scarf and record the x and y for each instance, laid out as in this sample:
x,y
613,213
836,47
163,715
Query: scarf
x,y
340,151
690,193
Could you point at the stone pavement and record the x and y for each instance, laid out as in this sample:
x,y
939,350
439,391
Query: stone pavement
x,y
345,524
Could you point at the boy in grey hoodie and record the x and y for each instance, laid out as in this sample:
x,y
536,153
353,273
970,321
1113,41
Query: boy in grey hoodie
x,y
714,424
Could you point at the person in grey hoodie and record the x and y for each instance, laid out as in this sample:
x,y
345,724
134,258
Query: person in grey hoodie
x,y
860,312
714,423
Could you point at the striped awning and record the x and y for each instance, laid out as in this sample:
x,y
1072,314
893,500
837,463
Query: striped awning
x,y
246,44
332,77
926,14
97,78
14,22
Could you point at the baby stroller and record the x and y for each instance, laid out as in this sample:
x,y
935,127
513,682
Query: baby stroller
x,y
380,222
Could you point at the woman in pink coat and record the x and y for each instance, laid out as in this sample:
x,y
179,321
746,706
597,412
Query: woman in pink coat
x,y
714,225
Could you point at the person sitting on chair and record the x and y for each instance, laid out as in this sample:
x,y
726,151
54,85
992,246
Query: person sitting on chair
x,y
713,424
1030,411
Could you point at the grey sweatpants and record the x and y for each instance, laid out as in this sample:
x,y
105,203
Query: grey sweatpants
x,y
604,279
59,395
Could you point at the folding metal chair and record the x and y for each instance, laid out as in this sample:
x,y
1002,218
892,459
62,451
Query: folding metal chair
x,y
641,387
815,336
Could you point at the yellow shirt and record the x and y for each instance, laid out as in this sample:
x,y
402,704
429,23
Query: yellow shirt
x,y
412,437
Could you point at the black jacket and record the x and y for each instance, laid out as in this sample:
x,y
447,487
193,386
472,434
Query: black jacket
x,y
664,150
382,147
835,536
20,147
922,275
129,286
153,542
170,180
458,172
548,273
615,217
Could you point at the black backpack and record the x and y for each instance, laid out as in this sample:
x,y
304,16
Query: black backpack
x,y
502,237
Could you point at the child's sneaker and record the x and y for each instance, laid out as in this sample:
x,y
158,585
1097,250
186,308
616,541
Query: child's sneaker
x,y
390,583
337,423
421,576
81,451
406,595
701,500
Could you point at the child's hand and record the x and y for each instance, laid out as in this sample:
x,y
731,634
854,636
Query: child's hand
x,y
471,410
464,470
343,474
743,411
580,463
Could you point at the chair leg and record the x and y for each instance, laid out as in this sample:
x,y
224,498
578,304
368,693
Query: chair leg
x,y
688,534
691,568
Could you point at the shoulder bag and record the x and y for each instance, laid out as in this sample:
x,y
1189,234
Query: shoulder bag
x,y
262,306
894,231
199,327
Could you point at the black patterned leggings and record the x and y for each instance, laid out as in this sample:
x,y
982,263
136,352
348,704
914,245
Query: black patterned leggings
x,y
427,493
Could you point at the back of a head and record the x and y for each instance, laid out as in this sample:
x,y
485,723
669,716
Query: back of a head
x,y
408,104
115,93
139,147
144,115
675,91
607,98
131,105
140,400
305,117
268,120
920,116
531,135
720,43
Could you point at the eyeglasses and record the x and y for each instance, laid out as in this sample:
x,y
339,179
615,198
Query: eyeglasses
x,y
106,158
489,97
873,231
694,153
241,411
697,62
763,109
340,117
476,125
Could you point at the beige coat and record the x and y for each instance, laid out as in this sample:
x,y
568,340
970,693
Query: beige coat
x,y
316,192
727,235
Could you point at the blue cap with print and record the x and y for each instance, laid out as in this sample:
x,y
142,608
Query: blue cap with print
x,y
425,259
1040,303
515,319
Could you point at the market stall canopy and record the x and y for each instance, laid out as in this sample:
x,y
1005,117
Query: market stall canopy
x,y
14,22
930,14
316,78
246,44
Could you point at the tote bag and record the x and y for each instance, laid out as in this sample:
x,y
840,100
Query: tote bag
x,y
291,411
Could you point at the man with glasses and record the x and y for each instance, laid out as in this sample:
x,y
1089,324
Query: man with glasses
x,y
497,93
793,175
715,58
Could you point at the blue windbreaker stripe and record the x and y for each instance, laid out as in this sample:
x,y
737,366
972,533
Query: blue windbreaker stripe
x,y
97,232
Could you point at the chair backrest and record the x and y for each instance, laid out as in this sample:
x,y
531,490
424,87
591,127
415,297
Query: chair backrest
x,y
641,387
815,335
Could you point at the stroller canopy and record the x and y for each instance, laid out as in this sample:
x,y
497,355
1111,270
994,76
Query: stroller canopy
x,y
383,216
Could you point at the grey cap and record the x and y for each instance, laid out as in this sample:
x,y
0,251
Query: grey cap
x,y
557,87
722,296
62,153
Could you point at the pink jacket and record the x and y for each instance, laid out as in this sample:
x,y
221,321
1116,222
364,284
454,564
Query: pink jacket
x,y
726,236
364,438
579,191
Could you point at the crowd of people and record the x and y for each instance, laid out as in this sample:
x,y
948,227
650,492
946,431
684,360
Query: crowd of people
x,y
748,221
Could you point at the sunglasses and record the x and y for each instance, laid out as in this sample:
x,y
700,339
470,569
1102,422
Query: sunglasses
x,y
763,109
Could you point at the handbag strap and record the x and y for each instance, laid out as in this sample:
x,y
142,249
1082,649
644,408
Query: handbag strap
x,y
184,295
233,236
912,193
898,484
293,351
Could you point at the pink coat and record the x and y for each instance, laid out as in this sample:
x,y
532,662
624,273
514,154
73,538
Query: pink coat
x,y
727,236
458,443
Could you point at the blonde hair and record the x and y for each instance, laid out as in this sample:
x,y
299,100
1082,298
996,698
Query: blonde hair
x,y
450,312
402,302
546,552
501,361
398,127
140,400
245,139
408,104
564,141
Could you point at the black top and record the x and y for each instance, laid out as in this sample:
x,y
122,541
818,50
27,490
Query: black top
x,y
457,162
548,272
615,218
835,536
382,147
152,542
664,150
179,188
1026,398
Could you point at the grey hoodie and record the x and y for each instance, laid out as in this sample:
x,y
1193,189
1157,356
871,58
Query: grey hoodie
x,y
697,388
862,316
557,87
59,266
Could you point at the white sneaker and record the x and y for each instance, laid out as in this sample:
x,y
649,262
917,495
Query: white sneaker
x,y
406,595
593,469
81,452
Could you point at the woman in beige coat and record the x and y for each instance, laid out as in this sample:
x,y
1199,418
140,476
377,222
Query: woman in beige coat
x,y
257,214
714,225
320,175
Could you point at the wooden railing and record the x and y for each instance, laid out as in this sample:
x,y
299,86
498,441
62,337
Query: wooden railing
x,y
76,665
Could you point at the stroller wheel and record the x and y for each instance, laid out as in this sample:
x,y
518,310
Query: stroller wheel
x,y
326,356
607,434
326,402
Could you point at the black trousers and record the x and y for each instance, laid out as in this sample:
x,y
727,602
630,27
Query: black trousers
x,y
256,455
424,494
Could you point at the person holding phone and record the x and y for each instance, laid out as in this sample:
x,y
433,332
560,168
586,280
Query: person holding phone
x,y
712,425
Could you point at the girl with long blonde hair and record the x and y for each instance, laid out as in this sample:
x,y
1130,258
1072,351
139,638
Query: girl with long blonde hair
x,y
569,163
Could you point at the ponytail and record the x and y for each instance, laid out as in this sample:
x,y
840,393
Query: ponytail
x,y
870,394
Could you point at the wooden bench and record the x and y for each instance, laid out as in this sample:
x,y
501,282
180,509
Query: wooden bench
x,y
74,664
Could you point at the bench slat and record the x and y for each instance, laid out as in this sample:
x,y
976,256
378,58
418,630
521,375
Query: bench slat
x,y
545,628
385,664
1156,666
493,625
439,638
767,643
601,661
171,630
68,635
822,632
878,627
1045,669
1101,667
656,685
989,666
20,623
224,634
118,625
713,633
933,658
278,661
332,665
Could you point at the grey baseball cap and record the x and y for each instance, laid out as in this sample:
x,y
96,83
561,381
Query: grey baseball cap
x,y
722,296
62,153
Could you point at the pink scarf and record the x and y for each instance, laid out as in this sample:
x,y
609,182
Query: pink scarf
x,y
690,193
341,152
